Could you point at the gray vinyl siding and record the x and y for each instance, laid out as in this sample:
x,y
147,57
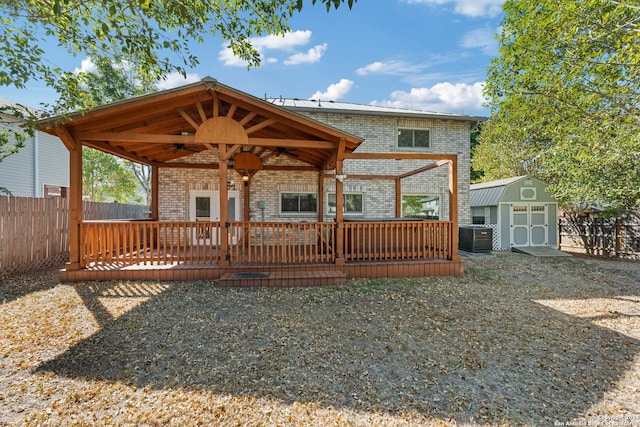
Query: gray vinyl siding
x,y
17,170
54,162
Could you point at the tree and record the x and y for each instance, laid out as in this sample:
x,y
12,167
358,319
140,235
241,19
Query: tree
x,y
154,35
105,178
564,94
110,82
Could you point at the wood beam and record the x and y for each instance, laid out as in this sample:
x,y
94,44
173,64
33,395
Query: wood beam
x,y
190,140
424,169
136,137
232,111
67,139
246,119
399,156
188,118
201,112
118,152
261,125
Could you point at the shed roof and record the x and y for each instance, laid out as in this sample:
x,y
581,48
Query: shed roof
x,y
489,193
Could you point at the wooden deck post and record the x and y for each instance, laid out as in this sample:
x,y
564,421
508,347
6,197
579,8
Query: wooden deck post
x,y
75,197
453,207
321,196
224,207
398,197
339,248
155,179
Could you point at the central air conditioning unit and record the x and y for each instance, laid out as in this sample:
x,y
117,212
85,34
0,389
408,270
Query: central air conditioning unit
x,y
476,239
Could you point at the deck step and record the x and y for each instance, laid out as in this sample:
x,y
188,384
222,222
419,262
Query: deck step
x,y
284,278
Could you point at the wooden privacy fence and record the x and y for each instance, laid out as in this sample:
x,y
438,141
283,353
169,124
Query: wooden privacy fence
x,y
610,237
34,232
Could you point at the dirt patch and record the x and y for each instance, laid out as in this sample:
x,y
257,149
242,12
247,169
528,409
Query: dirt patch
x,y
517,340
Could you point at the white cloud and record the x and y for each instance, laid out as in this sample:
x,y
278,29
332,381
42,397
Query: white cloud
x,y
313,55
176,79
86,66
334,91
286,42
483,39
389,67
443,97
473,8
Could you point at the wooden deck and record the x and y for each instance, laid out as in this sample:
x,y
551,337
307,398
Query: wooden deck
x,y
263,254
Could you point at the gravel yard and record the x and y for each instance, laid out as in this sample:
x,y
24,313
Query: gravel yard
x,y
517,340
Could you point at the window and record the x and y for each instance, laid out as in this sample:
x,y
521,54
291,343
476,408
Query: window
x,y
421,206
352,203
413,138
298,203
477,220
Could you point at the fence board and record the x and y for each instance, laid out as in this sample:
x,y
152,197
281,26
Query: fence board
x,y
34,232
608,237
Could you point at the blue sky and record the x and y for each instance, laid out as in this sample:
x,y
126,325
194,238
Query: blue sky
x,y
430,55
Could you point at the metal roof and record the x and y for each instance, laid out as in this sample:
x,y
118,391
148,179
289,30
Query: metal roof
x,y
314,105
489,193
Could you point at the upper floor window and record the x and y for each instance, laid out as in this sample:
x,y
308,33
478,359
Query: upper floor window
x,y
298,202
413,138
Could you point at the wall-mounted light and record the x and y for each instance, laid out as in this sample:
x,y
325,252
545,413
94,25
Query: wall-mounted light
x,y
231,185
341,178
231,163
245,178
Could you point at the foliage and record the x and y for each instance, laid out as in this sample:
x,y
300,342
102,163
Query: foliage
x,y
564,95
476,175
110,82
155,35
106,178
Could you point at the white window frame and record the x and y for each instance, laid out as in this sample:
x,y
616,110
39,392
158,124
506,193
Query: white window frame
x,y
344,205
413,145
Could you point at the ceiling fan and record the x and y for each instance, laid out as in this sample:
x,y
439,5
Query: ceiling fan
x,y
178,147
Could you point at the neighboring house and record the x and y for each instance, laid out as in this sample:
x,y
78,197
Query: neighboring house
x,y
520,211
240,181
40,169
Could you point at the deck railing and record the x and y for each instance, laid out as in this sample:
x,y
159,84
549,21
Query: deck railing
x,y
120,243
397,240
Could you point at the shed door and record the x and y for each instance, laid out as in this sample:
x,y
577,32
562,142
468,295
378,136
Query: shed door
x,y
538,224
519,224
529,224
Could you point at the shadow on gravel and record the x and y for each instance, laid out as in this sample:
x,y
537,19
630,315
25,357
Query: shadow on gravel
x,y
18,285
454,349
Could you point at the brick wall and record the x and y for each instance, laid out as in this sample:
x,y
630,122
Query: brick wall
x,y
380,133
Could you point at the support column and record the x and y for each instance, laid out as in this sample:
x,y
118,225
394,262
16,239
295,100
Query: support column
x,y
321,196
75,206
224,207
398,197
339,205
453,207
155,179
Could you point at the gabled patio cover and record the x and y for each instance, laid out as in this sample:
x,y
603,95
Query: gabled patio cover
x,y
162,128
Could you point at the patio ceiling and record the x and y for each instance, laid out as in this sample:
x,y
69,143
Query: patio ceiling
x,y
159,129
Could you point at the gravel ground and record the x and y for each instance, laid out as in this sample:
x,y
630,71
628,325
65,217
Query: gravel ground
x,y
517,340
